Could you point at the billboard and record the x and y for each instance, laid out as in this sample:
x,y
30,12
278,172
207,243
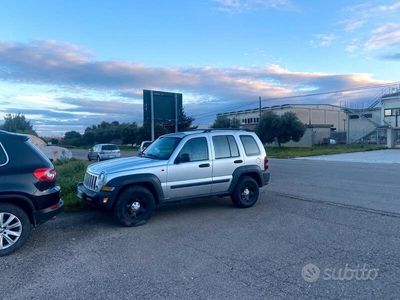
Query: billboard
x,y
163,107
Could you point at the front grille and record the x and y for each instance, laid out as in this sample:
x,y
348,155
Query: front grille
x,y
90,181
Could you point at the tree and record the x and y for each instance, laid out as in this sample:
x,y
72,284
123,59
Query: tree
x,y
291,128
73,138
17,123
280,128
225,122
185,122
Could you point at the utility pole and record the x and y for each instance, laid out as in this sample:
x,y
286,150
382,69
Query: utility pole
x,y
259,105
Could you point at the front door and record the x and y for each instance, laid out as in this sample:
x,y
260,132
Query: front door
x,y
190,173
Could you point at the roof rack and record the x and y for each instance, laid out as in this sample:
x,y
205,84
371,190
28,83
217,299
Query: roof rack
x,y
237,129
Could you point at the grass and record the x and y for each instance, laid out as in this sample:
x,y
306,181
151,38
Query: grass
x,y
291,152
69,173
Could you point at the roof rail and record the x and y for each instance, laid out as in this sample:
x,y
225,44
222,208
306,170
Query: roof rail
x,y
237,129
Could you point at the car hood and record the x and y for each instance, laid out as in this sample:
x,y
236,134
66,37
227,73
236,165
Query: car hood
x,y
125,164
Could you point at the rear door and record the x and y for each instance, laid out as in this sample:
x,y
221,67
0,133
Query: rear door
x,y
193,177
227,158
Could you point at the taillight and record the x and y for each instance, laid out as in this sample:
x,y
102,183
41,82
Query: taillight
x,y
266,163
45,174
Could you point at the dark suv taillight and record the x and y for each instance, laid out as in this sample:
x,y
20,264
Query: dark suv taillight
x,y
45,174
266,161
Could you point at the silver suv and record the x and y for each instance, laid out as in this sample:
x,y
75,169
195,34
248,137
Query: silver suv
x,y
179,166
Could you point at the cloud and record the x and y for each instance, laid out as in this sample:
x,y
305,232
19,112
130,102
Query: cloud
x,y
239,6
353,24
323,40
112,90
394,56
383,36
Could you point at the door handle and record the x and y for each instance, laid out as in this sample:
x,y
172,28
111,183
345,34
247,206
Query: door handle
x,y
238,161
204,165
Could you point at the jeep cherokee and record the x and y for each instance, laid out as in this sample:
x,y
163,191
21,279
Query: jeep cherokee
x,y
179,166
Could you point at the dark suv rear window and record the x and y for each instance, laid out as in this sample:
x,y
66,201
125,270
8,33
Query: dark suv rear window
x,y
3,156
250,145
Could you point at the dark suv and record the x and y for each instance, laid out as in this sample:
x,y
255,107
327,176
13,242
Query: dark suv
x,y
29,195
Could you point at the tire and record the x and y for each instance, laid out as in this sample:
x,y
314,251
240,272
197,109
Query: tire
x,y
134,206
246,192
88,157
98,158
19,224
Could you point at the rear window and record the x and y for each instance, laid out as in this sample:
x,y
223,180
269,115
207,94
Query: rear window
x,y
3,156
250,145
109,147
225,146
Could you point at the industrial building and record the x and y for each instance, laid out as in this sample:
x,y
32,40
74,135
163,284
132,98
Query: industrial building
x,y
325,122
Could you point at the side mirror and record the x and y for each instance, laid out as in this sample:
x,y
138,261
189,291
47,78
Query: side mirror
x,y
183,158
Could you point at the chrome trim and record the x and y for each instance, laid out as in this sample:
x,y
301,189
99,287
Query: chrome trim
x,y
7,158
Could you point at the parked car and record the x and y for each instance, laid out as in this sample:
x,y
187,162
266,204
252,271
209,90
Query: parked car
x,y
144,145
179,166
103,151
29,194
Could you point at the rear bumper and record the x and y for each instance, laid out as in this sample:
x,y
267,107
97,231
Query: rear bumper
x,y
93,198
265,178
43,215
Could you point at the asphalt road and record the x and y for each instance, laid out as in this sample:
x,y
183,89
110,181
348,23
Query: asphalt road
x,y
82,153
209,249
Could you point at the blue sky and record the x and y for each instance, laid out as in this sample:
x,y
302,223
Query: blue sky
x,y
69,64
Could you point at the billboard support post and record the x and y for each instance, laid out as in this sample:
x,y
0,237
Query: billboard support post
x,y
176,113
152,115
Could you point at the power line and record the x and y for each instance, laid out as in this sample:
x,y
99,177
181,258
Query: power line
x,y
205,115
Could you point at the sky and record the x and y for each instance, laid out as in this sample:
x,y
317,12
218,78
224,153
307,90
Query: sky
x,y
69,64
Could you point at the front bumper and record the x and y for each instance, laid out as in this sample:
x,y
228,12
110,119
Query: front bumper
x,y
93,198
43,215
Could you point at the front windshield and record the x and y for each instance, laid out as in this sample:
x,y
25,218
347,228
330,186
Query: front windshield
x,y
162,148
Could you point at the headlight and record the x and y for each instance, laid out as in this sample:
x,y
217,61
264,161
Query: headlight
x,y
101,180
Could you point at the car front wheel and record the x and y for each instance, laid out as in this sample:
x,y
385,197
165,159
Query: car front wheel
x,y
135,206
15,228
246,192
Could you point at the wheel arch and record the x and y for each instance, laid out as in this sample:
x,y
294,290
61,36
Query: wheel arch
x,y
149,181
251,171
22,202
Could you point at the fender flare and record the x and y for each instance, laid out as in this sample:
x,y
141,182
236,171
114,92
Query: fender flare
x,y
243,170
147,178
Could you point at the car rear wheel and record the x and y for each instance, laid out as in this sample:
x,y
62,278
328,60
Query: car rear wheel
x,y
246,192
135,206
15,228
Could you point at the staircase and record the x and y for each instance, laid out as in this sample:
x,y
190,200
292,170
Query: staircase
x,y
368,136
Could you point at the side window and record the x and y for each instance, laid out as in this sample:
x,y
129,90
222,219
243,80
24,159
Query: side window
x,y
3,156
250,145
196,148
225,146
233,146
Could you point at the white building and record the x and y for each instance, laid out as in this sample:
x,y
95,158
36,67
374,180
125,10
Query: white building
x,y
326,121
390,113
